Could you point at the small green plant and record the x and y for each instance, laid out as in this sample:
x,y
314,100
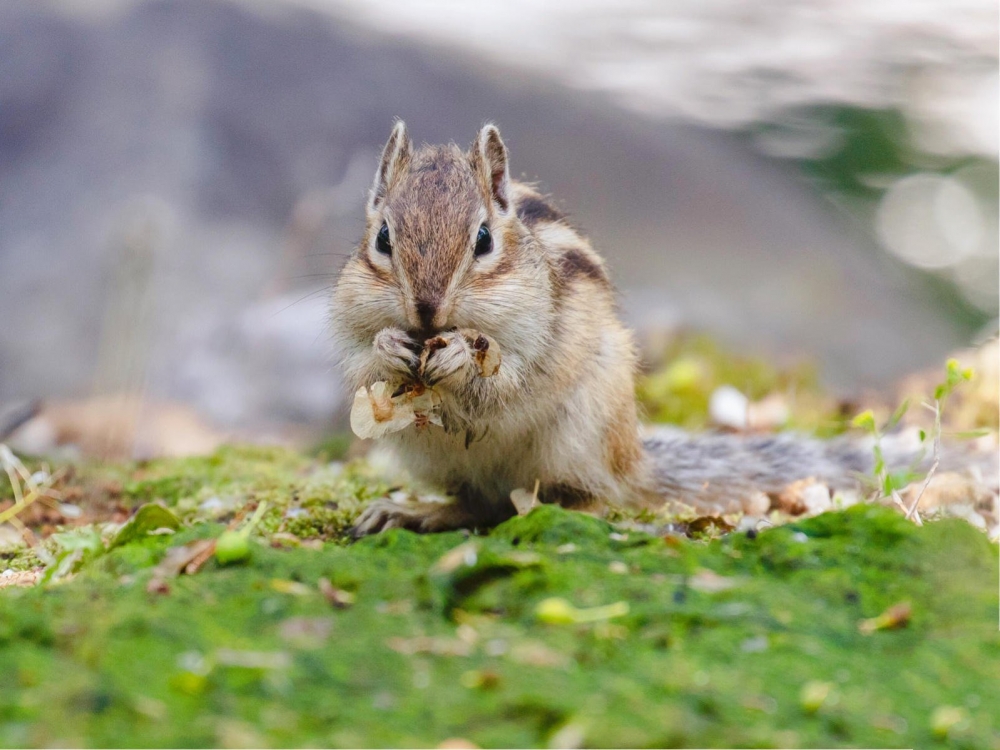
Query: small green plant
x,y
26,487
890,483
234,546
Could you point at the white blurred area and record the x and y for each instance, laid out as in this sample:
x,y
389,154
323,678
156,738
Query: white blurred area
x,y
733,63
947,224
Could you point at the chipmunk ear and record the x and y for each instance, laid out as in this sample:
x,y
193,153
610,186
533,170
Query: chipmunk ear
x,y
395,155
489,159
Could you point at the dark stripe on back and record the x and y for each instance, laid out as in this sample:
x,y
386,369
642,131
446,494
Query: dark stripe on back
x,y
574,263
533,209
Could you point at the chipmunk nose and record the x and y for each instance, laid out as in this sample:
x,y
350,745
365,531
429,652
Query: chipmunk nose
x,y
426,310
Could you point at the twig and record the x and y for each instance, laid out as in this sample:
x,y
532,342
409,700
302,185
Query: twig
x,y
17,473
912,511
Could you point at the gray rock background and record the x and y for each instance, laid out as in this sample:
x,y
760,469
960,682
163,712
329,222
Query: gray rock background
x,y
179,182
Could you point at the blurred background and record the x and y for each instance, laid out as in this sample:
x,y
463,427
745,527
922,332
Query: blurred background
x,y
180,181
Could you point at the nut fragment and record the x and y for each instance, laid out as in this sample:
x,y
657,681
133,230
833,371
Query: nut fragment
x,y
486,353
383,408
430,346
484,350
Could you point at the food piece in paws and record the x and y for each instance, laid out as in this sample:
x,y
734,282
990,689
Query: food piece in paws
x,y
381,409
487,355
430,346
485,352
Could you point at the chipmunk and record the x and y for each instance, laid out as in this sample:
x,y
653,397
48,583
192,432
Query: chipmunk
x,y
454,247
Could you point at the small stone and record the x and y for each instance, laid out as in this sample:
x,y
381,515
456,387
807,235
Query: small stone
x,y
729,408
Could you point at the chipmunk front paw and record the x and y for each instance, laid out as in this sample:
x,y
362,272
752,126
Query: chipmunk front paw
x,y
448,358
396,352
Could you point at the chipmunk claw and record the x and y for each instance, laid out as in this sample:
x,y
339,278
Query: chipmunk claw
x,y
396,351
420,516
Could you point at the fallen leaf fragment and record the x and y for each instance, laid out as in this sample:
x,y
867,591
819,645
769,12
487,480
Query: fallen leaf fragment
x,y
293,588
712,526
897,616
281,539
947,720
200,559
306,632
457,743
228,657
769,413
483,679
814,694
20,577
337,597
557,611
149,519
711,582
524,501
569,737
177,561
464,554
537,654
804,497
429,645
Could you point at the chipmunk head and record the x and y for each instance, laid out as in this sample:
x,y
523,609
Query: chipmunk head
x,y
443,246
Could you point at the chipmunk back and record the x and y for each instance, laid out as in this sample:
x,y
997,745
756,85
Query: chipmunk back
x,y
455,250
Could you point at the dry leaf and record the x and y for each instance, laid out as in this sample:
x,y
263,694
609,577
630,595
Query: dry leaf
x,y
377,412
769,413
293,588
19,577
804,497
464,554
337,597
537,654
710,582
425,644
524,501
200,559
178,558
897,616
306,632
457,743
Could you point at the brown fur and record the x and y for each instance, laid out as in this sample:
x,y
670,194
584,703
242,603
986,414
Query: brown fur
x,y
560,410
533,209
575,263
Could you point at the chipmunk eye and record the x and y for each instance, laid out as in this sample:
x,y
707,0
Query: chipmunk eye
x,y
382,243
484,241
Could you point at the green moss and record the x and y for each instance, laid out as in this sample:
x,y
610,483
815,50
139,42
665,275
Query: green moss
x,y
441,644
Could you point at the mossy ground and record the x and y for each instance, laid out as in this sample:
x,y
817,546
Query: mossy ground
x,y
764,651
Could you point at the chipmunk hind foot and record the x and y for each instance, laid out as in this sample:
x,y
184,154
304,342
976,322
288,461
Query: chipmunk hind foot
x,y
428,517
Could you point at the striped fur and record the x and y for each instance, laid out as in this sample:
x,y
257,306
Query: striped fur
x,y
561,409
